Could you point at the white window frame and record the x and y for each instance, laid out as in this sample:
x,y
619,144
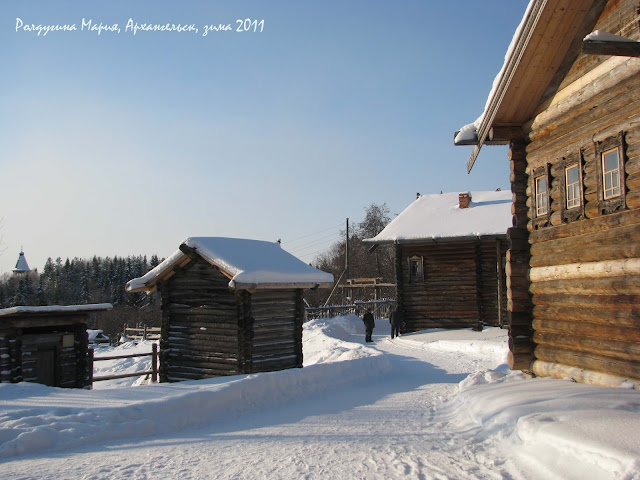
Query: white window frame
x,y
542,198
573,197
612,175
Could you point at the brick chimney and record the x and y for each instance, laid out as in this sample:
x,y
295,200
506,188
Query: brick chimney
x,y
464,199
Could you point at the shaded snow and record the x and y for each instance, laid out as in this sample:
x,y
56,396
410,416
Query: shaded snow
x,y
127,365
434,404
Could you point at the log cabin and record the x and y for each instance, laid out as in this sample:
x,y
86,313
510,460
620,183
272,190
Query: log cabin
x,y
567,103
229,306
47,345
449,251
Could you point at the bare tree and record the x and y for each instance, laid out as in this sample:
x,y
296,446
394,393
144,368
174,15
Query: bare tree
x,y
362,263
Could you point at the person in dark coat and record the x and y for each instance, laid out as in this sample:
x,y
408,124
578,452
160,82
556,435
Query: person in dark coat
x,y
369,325
396,319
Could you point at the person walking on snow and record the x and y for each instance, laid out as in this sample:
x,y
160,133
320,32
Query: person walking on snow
x,y
396,319
369,325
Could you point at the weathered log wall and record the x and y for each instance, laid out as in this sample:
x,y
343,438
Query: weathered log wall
x,y
201,326
209,331
585,289
459,286
10,367
23,350
519,303
277,328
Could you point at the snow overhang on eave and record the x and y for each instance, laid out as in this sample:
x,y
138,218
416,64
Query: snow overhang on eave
x,y
546,34
58,310
521,41
414,241
252,287
148,283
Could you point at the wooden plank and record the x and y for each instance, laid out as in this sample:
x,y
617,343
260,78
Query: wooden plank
x,y
589,361
599,286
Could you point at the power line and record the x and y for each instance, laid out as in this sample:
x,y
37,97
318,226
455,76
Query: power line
x,y
314,233
317,241
310,254
305,252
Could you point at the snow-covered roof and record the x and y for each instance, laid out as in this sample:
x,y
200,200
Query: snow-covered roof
x,y
21,265
248,264
545,35
469,132
439,217
93,307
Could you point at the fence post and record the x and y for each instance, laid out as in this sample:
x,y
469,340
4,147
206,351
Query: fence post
x,y
144,333
154,362
90,367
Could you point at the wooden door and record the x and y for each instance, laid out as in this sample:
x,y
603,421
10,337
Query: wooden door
x,y
46,366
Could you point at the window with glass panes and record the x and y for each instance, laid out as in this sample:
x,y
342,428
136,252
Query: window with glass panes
x,y
415,269
541,195
611,173
572,179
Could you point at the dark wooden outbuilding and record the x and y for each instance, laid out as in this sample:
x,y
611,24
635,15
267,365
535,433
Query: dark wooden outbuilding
x,y
230,306
449,259
567,103
47,345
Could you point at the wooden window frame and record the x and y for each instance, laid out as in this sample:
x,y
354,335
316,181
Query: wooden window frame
x,y
570,214
618,202
419,277
540,219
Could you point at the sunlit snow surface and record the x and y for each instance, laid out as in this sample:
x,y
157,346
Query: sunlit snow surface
x,y
437,404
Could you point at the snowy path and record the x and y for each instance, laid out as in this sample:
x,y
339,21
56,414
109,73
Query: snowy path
x,y
384,427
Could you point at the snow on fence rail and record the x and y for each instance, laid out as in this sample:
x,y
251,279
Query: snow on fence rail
x,y
153,371
379,309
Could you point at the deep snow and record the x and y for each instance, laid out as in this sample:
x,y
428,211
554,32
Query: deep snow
x,y
437,404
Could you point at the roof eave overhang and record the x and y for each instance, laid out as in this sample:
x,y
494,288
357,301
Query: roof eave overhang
x,y
414,241
511,65
253,287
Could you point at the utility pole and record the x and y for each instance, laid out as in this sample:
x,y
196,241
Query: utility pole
x,y
346,260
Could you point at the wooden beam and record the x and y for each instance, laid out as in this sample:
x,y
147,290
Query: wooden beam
x,y
503,135
611,47
496,136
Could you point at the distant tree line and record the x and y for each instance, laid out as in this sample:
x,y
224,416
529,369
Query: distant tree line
x,y
81,282
103,280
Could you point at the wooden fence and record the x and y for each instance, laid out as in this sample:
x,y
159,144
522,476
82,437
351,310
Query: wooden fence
x,y
141,332
379,309
154,365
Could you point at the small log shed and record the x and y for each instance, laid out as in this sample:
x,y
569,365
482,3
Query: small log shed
x,y
449,252
47,345
230,306
567,102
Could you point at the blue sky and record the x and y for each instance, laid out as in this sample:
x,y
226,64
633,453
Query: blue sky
x,y
116,144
